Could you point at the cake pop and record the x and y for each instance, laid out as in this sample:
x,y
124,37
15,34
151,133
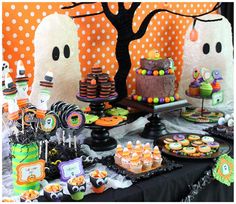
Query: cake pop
x,y
44,95
10,95
21,85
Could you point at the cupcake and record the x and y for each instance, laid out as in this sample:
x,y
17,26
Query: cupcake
x,y
205,89
147,160
156,157
53,192
135,163
194,88
138,143
147,146
98,180
230,128
138,150
118,154
129,146
125,158
77,187
29,196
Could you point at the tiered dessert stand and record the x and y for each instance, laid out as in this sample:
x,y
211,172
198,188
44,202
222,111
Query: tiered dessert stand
x,y
100,139
154,128
201,115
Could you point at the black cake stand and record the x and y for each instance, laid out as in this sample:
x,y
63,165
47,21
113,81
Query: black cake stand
x,y
154,128
100,139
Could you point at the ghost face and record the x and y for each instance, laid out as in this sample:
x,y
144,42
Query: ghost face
x,y
22,90
44,96
56,50
12,103
213,50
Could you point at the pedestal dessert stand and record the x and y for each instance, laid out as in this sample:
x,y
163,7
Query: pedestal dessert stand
x,y
154,128
100,139
201,115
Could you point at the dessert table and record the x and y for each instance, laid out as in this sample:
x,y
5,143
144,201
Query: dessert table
x,y
171,186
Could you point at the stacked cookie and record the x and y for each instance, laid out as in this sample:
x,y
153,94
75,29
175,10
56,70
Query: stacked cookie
x,y
97,84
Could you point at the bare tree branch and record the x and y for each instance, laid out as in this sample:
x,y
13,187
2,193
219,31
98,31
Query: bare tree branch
x,y
134,6
74,4
143,27
86,15
111,17
121,7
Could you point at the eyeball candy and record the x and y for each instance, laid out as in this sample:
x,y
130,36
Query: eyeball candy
x,y
221,121
230,122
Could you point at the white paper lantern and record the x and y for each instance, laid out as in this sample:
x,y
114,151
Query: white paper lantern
x,y
56,50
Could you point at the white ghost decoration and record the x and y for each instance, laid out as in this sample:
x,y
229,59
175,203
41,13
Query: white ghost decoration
x,y
215,38
56,50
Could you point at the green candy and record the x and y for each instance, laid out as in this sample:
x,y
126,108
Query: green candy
x,y
156,100
139,98
205,89
172,99
144,72
161,72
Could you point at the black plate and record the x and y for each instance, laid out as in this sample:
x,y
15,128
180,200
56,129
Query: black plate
x,y
213,131
167,166
225,147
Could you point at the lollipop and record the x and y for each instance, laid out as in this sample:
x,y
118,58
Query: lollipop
x,y
10,95
21,85
196,74
44,95
5,70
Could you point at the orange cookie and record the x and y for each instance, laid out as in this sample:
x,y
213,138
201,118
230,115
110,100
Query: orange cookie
x,y
109,121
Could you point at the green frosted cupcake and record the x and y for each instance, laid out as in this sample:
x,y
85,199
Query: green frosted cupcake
x,y
205,89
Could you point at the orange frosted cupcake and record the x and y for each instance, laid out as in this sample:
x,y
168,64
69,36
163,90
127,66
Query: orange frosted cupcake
x,y
147,160
156,157
135,163
125,158
118,154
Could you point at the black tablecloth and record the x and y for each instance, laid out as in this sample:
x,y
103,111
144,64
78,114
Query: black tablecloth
x,y
172,186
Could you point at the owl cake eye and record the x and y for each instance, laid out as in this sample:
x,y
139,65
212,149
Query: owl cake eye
x,y
82,188
99,182
75,188
53,196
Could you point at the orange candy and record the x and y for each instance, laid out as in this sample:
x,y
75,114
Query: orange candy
x,y
150,100
93,82
170,71
135,97
177,96
155,73
140,71
167,99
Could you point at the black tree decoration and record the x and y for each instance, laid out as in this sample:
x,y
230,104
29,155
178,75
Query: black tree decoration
x,y
123,22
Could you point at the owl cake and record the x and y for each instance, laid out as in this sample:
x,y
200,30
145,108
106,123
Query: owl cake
x,y
138,157
97,84
155,80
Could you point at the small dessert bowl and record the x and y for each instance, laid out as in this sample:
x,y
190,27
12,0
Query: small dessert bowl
x,y
77,187
53,192
8,200
29,196
98,180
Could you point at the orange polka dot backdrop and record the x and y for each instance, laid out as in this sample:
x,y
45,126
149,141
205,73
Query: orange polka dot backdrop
x,y
97,36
